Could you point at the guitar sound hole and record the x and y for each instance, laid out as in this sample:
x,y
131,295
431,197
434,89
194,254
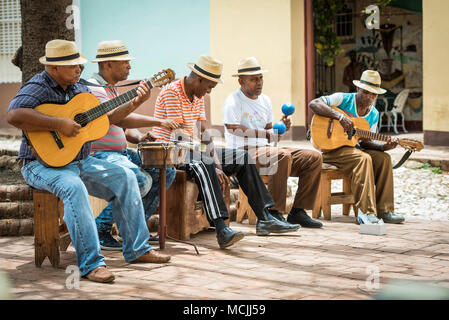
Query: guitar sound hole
x,y
81,119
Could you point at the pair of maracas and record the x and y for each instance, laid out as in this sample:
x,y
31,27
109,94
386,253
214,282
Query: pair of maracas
x,y
287,109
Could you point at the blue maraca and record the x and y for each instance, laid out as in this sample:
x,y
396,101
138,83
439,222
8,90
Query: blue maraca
x,y
279,127
288,109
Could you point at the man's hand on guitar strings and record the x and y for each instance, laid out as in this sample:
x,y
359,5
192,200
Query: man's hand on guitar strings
x,y
68,127
346,123
143,94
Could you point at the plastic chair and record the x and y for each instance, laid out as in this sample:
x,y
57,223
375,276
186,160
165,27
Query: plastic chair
x,y
398,107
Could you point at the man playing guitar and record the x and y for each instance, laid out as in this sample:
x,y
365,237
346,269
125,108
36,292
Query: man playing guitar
x,y
370,167
84,175
113,66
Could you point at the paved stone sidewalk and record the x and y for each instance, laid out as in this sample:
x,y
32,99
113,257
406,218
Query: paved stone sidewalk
x,y
335,262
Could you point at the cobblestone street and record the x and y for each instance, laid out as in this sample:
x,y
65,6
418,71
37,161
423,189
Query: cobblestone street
x,y
335,262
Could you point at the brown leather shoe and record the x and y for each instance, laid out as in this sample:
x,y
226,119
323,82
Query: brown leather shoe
x,y
152,256
100,274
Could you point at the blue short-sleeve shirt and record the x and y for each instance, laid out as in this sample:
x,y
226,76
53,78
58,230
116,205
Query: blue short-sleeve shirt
x,y
40,89
347,103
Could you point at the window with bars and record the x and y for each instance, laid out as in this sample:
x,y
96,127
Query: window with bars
x,y
10,39
344,25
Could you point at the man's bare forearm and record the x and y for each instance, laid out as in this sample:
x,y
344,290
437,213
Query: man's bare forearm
x,y
320,108
118,114
245,132
135,120
32,120
371,145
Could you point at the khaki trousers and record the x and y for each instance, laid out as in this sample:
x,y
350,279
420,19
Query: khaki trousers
x,y
281,163
371,175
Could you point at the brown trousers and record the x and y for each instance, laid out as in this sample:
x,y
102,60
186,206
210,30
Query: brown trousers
x,y
289,162
371,175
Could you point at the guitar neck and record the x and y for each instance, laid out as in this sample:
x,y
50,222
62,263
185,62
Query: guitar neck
x,y
109,105
371,135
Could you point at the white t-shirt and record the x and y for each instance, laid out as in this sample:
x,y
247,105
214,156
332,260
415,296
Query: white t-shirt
x,y
238,109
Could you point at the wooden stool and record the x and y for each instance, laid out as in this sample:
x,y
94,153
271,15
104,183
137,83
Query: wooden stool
x,y
185,215
244,209
50,231
325,198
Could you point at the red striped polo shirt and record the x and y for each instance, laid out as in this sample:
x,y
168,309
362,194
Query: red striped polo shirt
x,y
173,103
115,139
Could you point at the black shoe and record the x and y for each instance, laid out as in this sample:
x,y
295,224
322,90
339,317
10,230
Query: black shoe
x,y
277,215
390,217
264,228
300,216
107,242
227,237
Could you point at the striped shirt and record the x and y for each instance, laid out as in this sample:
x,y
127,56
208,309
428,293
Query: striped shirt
x,y
173,103
40,89
115,139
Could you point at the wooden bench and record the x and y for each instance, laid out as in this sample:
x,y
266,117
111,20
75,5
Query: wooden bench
x,y
326,198
50,231
244,209
185,215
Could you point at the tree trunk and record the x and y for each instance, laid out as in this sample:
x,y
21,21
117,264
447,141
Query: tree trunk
x,y
42,21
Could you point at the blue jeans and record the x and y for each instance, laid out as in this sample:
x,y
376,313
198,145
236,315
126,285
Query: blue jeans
x,y
150,200
73,183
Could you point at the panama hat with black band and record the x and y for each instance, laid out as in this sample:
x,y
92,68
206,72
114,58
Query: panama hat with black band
x,y
208,68
370,81
62,53
248,67
113,50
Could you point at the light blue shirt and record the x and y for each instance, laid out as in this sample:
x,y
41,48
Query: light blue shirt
x,y
347,103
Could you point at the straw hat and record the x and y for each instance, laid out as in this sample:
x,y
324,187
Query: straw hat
x,y
248,67
114,50
62,53
370,81
208,68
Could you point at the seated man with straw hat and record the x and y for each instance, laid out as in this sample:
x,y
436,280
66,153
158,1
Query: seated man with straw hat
x,y
369,166
183,101
248,120
113,60
85,174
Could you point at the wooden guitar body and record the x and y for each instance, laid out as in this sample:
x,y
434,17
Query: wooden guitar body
x,y
44,143
328,134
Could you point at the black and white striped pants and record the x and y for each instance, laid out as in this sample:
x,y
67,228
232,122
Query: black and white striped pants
x,y
233,161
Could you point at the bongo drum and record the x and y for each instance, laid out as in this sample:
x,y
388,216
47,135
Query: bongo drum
x,y
161,154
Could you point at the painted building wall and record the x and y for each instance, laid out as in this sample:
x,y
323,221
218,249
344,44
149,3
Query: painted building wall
x,y
435,71
159,34
371,52
273,32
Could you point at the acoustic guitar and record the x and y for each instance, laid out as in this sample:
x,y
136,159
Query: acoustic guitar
x,y
328,134
57,150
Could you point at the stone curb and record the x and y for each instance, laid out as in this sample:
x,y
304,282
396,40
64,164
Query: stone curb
x,y
16,227
16,210
11,193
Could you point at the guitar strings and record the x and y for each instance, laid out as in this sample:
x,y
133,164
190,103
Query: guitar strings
x,y
109,105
